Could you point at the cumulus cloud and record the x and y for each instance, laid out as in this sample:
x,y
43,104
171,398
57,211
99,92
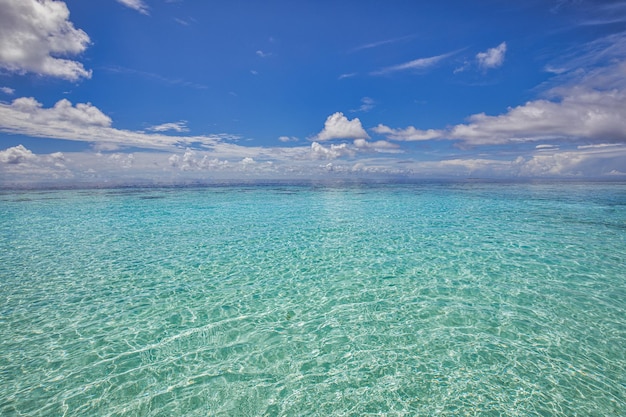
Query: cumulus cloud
x,y
19,164
337,126
7,90
416,64
25,111
124,160
35,33
408,134
319,151
138,5
16,155
586,102
191,161
581,114
493,57
180,127
84,122
187,162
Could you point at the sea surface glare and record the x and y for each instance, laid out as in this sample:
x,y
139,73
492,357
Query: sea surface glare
x,y
448,299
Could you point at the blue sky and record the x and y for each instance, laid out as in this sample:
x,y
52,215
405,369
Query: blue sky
x,y
174,90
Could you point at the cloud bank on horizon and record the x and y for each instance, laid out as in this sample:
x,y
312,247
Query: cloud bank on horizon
x,y
84,99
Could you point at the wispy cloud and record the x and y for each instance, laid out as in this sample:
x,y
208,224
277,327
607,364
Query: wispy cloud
x,y
156,77
416,64
180,127
378,146
7,90
381,43
602,52
409,134
262,54
348,75
598,14
181,21
138,5
367,104
286,139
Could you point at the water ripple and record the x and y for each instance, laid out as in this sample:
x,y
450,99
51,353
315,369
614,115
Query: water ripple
x,y
464,300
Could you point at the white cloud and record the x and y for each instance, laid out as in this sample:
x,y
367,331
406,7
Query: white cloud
x,y
286,139
7,90
367,104
181,21
262,54
138,5
554,70
34,33
377,146
593,161
124,160
588,104
337,126
19,165
408,134
180,127
598,146
16,155
586,101
332,152
348,75
191,161
543,162
63,111
580,114
493,57
83,122
416,64
380,43
546,146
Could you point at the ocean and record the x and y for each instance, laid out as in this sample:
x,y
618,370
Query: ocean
x,y
320,299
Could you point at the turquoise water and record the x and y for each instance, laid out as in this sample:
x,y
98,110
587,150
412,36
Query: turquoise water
x,y
467,299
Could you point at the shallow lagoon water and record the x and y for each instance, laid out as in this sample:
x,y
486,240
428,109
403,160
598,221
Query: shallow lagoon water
x,y
291,300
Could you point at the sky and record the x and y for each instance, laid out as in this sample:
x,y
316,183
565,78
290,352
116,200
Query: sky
x,y
167,91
